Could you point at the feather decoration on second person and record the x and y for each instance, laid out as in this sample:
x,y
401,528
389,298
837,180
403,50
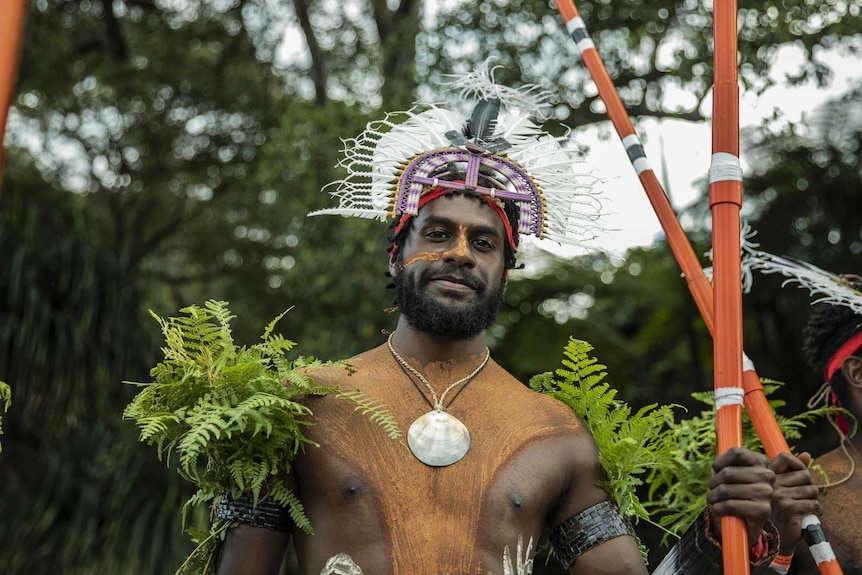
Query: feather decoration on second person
x,y
825,286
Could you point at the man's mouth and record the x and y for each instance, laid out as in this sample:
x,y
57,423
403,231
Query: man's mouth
x,y
454,283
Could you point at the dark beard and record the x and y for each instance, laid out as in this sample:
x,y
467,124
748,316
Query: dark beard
x,y
458,322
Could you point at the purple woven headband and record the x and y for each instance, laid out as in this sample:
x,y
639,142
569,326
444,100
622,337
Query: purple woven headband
x,y
417,178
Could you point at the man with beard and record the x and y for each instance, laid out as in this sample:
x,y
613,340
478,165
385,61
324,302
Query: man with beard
x,y
489,464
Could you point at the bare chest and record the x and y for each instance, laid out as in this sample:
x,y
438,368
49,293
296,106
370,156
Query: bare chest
x,y
368,496
390,512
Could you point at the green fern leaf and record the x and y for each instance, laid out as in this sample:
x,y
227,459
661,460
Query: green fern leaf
x,y
630,444
376,411
231,417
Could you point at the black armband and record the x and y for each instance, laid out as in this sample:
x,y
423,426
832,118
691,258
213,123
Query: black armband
x,y
587,529
269,514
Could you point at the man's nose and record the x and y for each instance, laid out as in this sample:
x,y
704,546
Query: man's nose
x,y
460,253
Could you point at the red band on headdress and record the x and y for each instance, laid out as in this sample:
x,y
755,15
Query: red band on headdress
x,y
840,420
435,193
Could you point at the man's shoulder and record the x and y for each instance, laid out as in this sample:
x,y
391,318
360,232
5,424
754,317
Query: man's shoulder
x,y
339,372
525,406
517,389
831,467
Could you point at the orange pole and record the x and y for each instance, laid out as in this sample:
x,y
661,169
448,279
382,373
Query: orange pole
x,y
698,283
11,31
756,403
725,201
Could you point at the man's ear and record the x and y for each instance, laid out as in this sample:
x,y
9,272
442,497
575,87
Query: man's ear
x,y
394,264
852,368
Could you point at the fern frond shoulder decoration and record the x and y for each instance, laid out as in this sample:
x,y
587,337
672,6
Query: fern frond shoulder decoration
x,y
232,417
631,444
673,458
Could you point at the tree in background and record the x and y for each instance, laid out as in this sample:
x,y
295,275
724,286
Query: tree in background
x,y
636,312
165,153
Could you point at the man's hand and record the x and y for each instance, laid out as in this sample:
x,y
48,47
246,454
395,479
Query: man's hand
x,y
742,486
794,497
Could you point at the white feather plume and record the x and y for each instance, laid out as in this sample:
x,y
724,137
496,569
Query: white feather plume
x,y
823,286
375,158
828,287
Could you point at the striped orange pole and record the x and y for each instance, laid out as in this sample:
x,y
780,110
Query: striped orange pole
x,y
11,31
698,283
756,403
729,419
725,201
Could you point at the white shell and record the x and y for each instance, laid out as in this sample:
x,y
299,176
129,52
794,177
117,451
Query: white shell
x,y
341,564
438,439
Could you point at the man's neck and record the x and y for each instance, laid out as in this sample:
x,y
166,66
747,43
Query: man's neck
x,y
425,348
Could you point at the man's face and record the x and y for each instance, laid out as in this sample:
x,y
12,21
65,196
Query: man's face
x,y
449,281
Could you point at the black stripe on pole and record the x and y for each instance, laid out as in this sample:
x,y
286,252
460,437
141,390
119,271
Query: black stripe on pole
x,y
813,534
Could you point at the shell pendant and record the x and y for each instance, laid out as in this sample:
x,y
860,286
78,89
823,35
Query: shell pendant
x,y
438,439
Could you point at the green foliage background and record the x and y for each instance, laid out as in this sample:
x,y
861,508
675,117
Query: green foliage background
x,y
166,153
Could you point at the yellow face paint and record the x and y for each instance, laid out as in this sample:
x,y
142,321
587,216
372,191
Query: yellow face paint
x,y
422,257
459,250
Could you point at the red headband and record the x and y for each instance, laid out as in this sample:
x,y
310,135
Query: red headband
x,y
849,348
833,365
435,193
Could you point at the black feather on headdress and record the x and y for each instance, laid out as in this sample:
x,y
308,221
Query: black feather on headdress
x,y
480,127
483,122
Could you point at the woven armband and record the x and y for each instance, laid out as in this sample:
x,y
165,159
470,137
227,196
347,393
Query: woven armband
x,y
268,514
587,529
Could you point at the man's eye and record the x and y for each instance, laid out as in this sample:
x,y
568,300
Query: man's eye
x,y
483,244
436,234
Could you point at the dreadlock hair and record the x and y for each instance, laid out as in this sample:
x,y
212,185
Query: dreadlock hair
x,y
827,330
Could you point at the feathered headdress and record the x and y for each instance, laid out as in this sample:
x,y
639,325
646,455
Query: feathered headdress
x,y
824,287
497,151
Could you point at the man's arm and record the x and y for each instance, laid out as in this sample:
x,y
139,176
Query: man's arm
x,y
741,486
251,550
617,556
588,533
257,546
795,496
